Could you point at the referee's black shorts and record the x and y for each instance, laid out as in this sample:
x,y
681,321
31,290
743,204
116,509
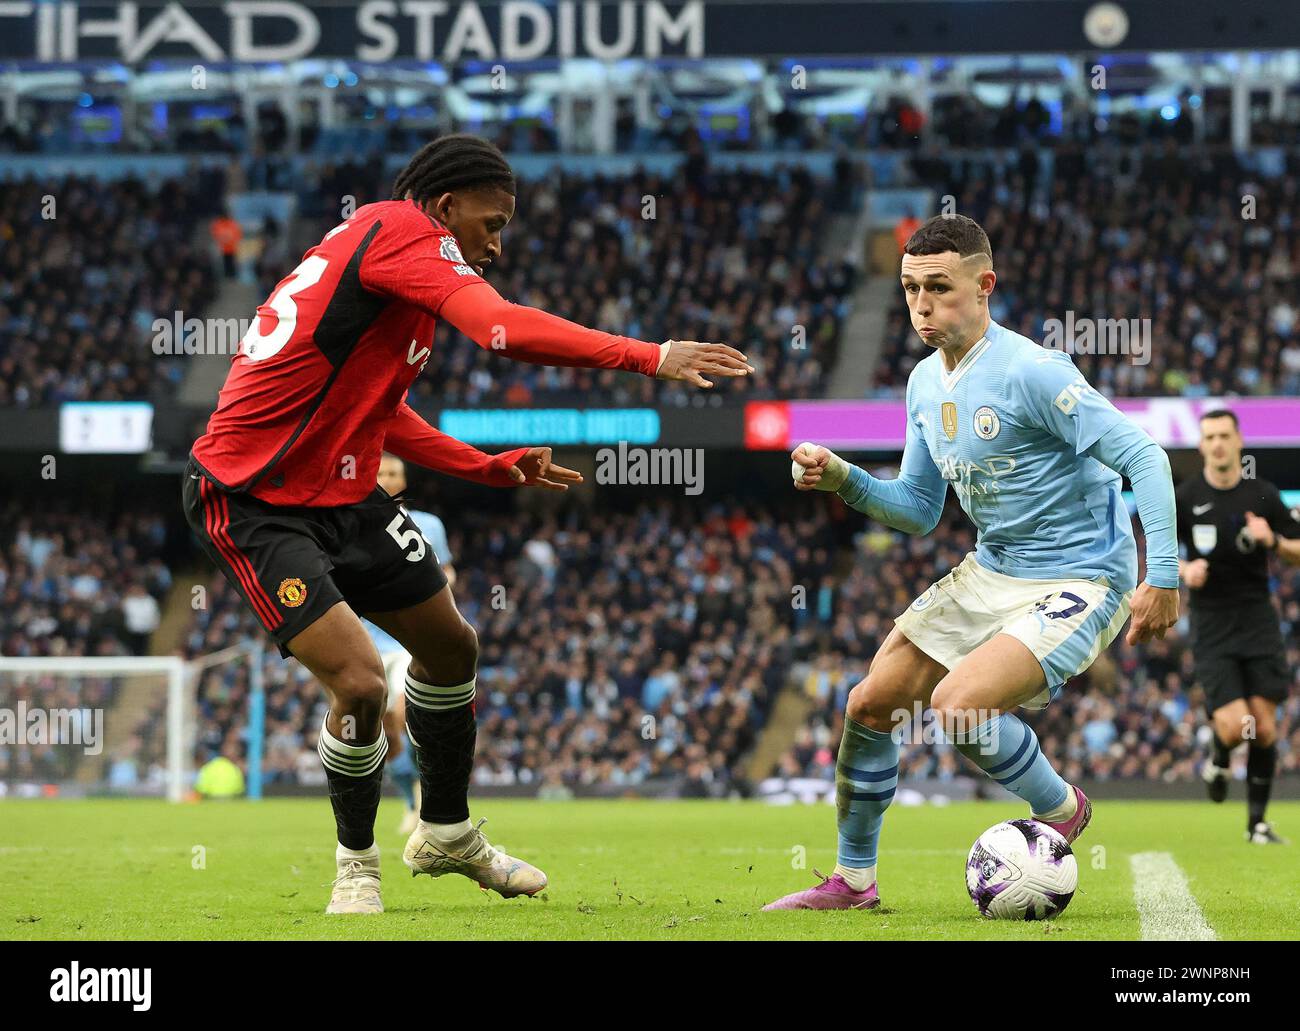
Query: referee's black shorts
x,y
1239,653
293,564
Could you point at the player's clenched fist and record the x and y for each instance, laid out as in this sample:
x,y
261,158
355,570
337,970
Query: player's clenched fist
x,y
814,467
1195,573
1155,610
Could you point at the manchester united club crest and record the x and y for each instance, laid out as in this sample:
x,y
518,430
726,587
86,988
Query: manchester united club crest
x,y
292,592
948,414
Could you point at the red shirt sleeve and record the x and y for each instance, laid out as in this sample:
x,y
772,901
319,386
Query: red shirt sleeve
x,y
412,439
532,335
415,259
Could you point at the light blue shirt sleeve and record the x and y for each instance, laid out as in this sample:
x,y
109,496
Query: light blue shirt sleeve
x,y
1132,453
912,502
435,533
1054,396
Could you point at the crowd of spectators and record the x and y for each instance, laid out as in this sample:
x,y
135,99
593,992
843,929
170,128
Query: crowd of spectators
x,y
1199,247
71,581
76,584
85,269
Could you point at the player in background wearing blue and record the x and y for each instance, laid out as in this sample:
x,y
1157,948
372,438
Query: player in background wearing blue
x,y
401,762
1034,455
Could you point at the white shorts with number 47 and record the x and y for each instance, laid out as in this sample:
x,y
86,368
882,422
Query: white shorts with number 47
x,y
1065,623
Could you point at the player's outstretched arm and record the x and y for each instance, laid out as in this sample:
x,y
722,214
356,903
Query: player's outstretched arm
x,y
540,338
412,439
912,503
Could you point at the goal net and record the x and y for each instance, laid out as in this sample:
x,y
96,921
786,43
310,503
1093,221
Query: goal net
x,y
75,726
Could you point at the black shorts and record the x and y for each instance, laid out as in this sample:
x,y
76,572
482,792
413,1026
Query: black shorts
x,y
1239,653
293,564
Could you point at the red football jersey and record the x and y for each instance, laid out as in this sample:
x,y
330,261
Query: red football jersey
x,y
325,365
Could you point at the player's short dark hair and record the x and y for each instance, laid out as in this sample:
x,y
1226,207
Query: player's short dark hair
x,y
458,161
1222,413
944,233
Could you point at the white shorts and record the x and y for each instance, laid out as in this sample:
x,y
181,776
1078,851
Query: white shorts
x,y
1065,623
395,664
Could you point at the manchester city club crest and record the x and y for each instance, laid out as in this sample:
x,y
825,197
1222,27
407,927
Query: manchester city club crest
x,y
987,423
948,413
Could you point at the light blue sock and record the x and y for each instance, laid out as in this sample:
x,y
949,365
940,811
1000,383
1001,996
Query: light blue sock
x,y
403,770
866,775
1007,750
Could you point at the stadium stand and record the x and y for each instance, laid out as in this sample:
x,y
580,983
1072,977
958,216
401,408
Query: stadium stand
x,y
1218,287
79,297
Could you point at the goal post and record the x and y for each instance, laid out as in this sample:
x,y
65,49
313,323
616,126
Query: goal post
x,y
182,680
171,667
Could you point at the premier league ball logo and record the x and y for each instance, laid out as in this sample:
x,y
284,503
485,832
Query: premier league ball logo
x,y
1021,870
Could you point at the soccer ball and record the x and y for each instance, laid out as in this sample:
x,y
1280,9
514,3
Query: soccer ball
x,y
1021,870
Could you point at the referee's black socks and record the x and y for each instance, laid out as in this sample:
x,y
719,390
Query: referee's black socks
x,y
1222,753
1260,763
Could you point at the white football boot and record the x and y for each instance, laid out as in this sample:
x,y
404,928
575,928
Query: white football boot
x,y
472,856
356,888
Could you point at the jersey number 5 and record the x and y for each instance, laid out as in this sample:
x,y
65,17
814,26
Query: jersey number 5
x,y
258,346
405,538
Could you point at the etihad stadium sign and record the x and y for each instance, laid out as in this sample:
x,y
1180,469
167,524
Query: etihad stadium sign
x,y
251,31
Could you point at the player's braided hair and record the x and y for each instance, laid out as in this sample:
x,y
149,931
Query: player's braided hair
x,y
455,162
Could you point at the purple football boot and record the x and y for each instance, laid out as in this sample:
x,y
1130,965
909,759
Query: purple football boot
x,y
833,893
1073,827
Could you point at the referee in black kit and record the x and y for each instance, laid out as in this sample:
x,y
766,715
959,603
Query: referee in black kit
x,y
1228,525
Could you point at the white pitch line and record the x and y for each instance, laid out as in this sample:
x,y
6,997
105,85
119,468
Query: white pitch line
x,y
1167,910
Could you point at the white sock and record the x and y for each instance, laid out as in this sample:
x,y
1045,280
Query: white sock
x,y
859,878
1064,811
446,831
343,853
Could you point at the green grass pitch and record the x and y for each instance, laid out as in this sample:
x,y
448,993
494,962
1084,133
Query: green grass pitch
x,y
618,870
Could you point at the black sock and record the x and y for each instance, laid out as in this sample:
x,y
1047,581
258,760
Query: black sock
x,y
1259,780
355,774
440,723
1222,753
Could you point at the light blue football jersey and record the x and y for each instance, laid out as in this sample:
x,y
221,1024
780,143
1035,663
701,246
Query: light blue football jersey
x,y
1008,428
